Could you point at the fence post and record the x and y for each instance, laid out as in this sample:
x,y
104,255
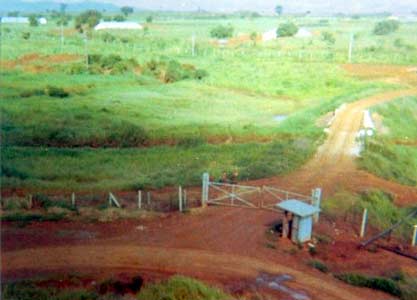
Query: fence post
x,y
414,240
205,189
139,199
185,199
233,194
364,222
110,202
180,198
30,201
149,198
316,197
73,200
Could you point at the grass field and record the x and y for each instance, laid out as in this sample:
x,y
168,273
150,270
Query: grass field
x,y
392,153
172,132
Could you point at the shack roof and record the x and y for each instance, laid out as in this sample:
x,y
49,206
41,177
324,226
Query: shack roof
x,y
298,207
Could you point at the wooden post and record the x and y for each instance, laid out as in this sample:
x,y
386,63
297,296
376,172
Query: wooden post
x,y
149,198
364,223
233,194
205,189
30,201
180,198
414,239
351,47
185,199
316,197
139,199
73,200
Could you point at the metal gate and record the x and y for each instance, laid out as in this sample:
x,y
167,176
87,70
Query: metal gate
x,y
233,195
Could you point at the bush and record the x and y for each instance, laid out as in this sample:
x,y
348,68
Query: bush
x,y
149,19
57,92
119,18
287,29
328,37
26,35
316,264
179,288
108,38
377,283
386,27
222,32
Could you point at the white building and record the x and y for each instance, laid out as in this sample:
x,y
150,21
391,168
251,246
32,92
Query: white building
x,y
118,25
21,20
15,20
303,33
270,35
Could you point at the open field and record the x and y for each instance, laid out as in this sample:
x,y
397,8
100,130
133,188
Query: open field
x,y
129,111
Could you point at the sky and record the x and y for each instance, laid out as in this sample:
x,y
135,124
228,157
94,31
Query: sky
x,y
315,6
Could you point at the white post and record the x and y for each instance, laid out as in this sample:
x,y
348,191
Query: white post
x,y
351,47
414,239
139,199
233,194
316,197
364,222
193,45
205,189
180,198
73,200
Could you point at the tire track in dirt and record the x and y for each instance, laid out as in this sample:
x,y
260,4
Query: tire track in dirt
x,y
181,261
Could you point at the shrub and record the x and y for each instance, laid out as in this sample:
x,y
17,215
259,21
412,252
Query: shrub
x,y
316,264
32,92
149,19
108,38
386,27
119,18
222,32
328,37
57,92
26,35
178,288
287,29
377,283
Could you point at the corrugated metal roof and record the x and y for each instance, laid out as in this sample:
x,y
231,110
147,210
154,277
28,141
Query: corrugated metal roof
x,y
298,207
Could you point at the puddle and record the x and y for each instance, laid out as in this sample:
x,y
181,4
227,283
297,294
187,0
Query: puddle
x,y
277,283
280,118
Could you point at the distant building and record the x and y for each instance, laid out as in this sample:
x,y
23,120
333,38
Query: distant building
x,y
303,33
15,20
21,20
270,35
43,21
118,25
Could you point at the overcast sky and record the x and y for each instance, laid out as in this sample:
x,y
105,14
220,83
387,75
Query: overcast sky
x,y
315,6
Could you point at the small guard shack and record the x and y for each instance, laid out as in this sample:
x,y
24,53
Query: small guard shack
x,y
297,223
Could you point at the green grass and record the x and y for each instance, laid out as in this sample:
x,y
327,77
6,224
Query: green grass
x,y
179,288
52,168
393,154
405,287
319,265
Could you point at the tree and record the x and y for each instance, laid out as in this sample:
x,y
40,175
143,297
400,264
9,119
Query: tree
x,y
328,38
386,27
126,10
278,10
87,20
287,29
33,20
149,19
13,14
119,18
253,37
222,32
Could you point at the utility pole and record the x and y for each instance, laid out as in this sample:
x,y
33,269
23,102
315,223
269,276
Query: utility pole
x,y
193,45
352,39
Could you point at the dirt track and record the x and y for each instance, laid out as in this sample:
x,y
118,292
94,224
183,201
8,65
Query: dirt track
x,y
223,243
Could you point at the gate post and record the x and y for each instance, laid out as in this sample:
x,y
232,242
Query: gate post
x,y
205,189
316,199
